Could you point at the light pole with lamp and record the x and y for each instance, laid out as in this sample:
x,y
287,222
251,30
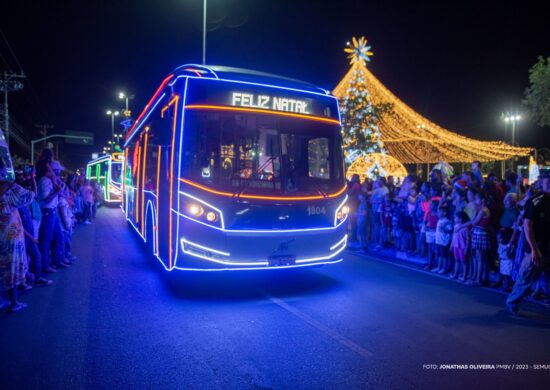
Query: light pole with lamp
x,y
204,33
123,96
127,122
513,119
112,114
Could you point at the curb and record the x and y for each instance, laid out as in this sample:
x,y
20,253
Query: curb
x,y
407,263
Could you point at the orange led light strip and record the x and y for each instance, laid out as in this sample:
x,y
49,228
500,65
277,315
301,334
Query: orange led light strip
x,y
166,107
158,182
137,189
157,93
176,100
244,196
124,166
260,111
143,179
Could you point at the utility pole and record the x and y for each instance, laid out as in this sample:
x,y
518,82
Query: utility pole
x,y
9,82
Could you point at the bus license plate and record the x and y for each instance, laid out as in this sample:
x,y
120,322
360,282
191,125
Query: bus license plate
x,y
283,260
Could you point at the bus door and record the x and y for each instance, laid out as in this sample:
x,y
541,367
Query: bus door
x,y
167,179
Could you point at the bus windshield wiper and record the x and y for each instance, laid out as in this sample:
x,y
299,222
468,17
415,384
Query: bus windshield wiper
x,y
255,174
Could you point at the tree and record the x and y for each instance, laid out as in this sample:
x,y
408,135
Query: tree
x,y
361,134
537,96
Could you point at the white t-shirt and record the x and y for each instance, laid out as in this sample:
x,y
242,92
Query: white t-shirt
x,y
443,232
45,188
377,197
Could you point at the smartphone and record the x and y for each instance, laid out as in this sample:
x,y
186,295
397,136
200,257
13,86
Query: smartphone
x,y
27,168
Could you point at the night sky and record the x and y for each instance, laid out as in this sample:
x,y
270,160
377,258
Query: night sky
x,y
458,63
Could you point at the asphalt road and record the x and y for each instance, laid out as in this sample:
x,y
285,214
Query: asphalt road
x,y
115,319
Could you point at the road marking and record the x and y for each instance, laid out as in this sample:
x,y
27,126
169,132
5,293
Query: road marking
x,y
319,326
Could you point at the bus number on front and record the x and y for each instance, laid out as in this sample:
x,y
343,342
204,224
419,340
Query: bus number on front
x,y
316,210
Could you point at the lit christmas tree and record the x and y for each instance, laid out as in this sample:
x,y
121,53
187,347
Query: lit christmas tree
x,y
359,115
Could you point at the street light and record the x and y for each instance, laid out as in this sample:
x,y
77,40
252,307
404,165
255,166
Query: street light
x,y
204,34
113,114
122,95
512,118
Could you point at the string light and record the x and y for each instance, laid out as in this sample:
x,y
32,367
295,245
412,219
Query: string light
x,y
375,165
412,138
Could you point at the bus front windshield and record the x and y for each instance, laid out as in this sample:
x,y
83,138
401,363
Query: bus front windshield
x,y
262,153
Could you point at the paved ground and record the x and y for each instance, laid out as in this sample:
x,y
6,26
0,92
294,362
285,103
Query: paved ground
x,y
116,320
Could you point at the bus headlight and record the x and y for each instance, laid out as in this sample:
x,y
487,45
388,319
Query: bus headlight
x,y
341,213
194,208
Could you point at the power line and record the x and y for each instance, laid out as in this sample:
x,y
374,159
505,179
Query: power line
x,y
9,82
28,82
11,51
6,62
18,136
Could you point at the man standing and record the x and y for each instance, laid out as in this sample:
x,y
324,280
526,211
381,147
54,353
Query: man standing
x,y
536,225
50,228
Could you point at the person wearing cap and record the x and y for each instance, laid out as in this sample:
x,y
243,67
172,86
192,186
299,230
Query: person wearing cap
x,y
536,225
50,228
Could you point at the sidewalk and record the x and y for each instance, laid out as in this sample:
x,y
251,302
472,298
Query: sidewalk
x,y
416,263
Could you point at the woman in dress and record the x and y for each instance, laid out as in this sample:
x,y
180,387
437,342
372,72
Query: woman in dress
x,y
481,240
13,261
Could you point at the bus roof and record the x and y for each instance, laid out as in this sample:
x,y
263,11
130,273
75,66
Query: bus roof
x,y
246,75
226,73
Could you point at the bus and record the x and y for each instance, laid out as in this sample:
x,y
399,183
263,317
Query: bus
x,y
107,171
233,169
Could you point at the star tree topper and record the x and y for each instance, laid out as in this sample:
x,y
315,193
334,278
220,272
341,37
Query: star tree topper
x,y
358,51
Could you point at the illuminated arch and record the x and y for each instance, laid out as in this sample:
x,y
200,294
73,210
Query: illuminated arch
x,y
376,164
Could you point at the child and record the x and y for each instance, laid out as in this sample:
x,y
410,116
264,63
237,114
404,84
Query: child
x,y
87,193
386,223
506,256
459,245
66,217
510,213
408,241
430,223
443,233
362,216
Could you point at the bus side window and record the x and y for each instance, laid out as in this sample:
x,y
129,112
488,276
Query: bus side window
x,y
318,158
151,153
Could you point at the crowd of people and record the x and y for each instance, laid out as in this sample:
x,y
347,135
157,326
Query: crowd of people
x,y
38,213
464,226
